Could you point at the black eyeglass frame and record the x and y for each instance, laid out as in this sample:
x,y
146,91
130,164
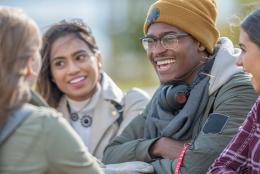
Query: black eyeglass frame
x,y
155,40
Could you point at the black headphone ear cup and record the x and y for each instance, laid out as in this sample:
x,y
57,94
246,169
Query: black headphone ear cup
x,y
162,101
172,98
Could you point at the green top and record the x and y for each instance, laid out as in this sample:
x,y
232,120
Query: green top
x,y
37,100
46,143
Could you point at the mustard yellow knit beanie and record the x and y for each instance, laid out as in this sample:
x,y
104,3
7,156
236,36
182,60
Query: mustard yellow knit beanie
x,y
196,17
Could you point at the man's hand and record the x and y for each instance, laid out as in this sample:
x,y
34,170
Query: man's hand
x,y
166,148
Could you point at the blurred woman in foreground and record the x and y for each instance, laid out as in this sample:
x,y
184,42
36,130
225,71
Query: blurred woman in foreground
x,y
33,140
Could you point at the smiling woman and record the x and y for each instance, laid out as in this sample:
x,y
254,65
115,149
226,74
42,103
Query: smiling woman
x,y
72,81
244,157
75,67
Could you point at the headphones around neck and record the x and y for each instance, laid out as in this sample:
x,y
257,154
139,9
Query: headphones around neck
x,y
172,98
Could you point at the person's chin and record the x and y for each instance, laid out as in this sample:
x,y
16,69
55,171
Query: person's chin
x,y
168,81
163,79
255,84
256,88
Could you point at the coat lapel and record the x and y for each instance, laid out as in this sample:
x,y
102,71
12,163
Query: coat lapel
x,y
104,117
62,107
105,113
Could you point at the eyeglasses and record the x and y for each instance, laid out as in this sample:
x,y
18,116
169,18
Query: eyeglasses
x,y
168,41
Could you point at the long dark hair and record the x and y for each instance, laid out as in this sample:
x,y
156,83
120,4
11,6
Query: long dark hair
x,y
45,86
251,25
20,42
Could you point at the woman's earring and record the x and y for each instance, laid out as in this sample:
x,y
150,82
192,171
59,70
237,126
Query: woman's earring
x,y
99,65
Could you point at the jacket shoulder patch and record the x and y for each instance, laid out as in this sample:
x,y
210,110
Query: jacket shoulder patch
x,y
215,123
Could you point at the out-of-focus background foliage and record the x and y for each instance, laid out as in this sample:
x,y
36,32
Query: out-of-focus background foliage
x,y
118,25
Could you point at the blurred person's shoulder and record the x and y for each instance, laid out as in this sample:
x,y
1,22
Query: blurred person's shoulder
x,y
37,100
45,116
137,93
136,97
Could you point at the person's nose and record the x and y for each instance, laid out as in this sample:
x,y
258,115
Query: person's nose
x,y
158,48
239,61
73,68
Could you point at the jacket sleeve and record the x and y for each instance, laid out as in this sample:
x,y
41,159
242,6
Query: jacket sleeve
x,y
239,148
233,100
230,161
66,152
135,101
130,145
230,101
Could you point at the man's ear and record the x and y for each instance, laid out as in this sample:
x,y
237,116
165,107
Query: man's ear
x,y
201,47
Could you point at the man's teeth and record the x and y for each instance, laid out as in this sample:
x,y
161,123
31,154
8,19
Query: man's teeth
x,y
77,80
168,61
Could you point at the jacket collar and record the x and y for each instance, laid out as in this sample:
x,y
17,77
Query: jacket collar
x,y
224,66
109,90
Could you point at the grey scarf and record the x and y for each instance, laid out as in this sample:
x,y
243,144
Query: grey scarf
x,y
179,125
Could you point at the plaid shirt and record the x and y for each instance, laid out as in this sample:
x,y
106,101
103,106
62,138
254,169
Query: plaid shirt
x,y
242,155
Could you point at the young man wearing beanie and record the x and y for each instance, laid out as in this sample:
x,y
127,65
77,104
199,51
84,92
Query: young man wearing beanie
x,y
203,97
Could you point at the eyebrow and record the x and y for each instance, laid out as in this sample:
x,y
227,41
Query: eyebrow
x,y
162,34
78,52
73,54
56,58
241,45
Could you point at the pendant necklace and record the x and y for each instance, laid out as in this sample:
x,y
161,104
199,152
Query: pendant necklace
x,y
85,120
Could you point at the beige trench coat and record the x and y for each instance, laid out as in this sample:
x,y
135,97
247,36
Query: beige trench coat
x,y
105,126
